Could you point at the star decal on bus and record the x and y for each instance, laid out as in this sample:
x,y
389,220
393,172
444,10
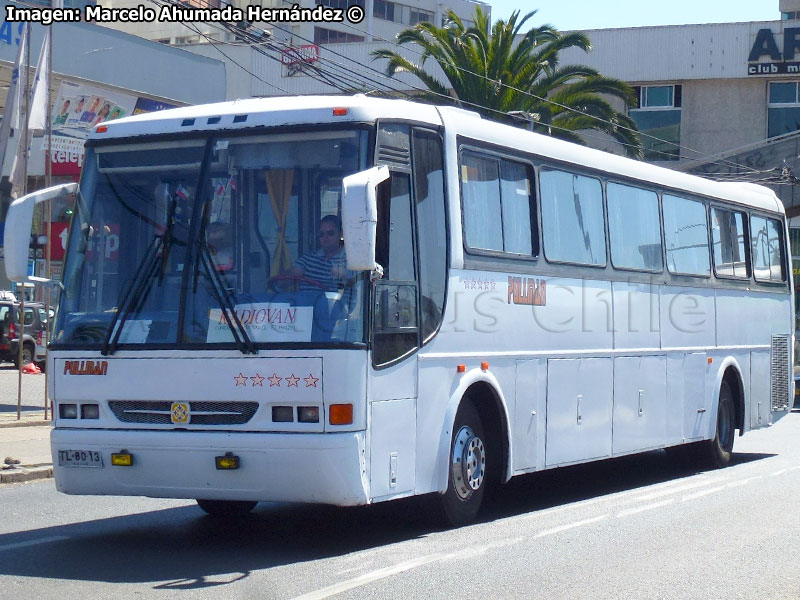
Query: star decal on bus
x,y
258,380
311,381
274,380
293,381
240,379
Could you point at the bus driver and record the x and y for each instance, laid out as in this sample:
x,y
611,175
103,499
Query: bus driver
x,y
328,265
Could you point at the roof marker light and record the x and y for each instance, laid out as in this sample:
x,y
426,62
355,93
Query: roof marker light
x,y
461,369
484,366
339,112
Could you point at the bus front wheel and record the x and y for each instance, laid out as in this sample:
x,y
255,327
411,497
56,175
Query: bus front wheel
x,y
716,453
226,508
467,469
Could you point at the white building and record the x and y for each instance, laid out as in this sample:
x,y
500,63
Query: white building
x,y
382,20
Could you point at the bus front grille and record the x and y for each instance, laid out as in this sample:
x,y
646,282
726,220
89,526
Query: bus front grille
x,y
779,373
156,412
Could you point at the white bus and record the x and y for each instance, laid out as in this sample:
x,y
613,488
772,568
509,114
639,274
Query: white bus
x,y
503,303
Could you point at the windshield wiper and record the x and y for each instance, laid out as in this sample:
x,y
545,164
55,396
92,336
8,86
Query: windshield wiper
x,y
134,296
223,297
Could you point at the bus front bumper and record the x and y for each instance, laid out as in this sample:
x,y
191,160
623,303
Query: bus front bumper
x,y
318,468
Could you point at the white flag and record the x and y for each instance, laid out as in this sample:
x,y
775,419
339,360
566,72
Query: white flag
x,y
37,118
11,112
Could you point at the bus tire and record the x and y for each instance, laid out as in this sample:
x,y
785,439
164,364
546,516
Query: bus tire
x,y
27,355
226,508
466,481
716,453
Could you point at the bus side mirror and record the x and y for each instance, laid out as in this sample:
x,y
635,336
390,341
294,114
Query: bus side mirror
x,y
17,234
360,217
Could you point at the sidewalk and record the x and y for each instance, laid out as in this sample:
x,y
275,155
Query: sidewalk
x,y
26,440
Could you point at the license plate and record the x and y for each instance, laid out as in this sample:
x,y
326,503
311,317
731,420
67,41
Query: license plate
x,y
79,458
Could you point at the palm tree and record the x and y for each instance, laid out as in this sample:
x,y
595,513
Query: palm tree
x,y
489,71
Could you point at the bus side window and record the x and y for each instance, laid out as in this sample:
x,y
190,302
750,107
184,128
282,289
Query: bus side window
x,y
395,326
728,237
634,228
767,246
573,228
431,232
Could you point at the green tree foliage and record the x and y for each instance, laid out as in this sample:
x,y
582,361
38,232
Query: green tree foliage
x,y
491,70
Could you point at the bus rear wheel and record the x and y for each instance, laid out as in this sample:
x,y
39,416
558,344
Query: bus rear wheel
x,y
716,453
466,482
227,508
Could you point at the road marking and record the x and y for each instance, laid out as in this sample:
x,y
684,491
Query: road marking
x,y
569,526
640,509
702,493
675,490
343,586
743,481
781,472
46,540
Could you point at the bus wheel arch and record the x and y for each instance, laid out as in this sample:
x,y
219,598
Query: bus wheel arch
x,y
494,416
478,451
716,452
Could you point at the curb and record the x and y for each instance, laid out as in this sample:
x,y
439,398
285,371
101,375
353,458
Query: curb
x,y
24,423
32,473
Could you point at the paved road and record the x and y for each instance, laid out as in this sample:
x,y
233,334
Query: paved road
x,y
637,527
32,390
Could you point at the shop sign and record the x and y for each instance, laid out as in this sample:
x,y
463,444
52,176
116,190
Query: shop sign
x,y
780,61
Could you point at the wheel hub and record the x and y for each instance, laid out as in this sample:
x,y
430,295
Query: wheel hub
x,y
469,463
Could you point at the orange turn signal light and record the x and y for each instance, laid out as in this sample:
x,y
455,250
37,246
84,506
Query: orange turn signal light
x,y
461,369
339,112
710,360
484,366
341,414
101,128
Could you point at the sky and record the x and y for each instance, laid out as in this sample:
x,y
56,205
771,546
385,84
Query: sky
x,y
601,14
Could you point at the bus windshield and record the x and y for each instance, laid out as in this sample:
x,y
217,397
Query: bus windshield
x,y
213,241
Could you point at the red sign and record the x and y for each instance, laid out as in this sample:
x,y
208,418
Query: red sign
x,y
65,162
58,243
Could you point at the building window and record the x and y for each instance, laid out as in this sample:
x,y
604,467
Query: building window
x,y
331,36
783,112
466,22
400,13
342,4
788,16
658,114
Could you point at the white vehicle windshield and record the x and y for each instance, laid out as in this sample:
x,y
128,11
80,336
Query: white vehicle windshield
x,y
213,241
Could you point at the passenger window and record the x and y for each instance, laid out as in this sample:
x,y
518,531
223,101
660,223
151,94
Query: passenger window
x,y
497,205
686,236
728,238
765,236
572,218
634,228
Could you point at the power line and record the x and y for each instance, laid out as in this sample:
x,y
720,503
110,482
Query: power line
x,y
335,80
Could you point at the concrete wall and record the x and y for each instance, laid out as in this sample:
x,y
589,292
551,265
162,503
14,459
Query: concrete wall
x,y
723,114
